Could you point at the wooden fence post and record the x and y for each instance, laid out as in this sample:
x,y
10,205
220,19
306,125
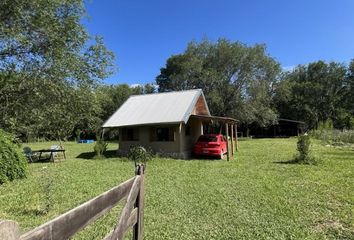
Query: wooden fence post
x,y
9,230
138,230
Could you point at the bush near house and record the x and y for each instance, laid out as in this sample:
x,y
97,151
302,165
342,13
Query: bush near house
x,y
139,154
12,161
100,148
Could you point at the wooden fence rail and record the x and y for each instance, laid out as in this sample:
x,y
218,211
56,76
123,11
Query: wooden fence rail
x,y
69,223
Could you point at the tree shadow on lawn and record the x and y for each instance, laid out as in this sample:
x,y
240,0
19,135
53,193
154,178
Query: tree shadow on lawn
x,y
91,155
291,161
205,158
113,154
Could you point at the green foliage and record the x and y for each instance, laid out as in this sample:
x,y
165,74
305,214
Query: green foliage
x,y
334,136
77,134
236,79
110,98
100,148
49,69
325,125
316,93
13,164
139,154
49,37
304,155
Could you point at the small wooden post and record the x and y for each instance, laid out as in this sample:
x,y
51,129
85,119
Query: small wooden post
x,y
138,230
9,230
236,138
180,139
232,140
227,141
102,135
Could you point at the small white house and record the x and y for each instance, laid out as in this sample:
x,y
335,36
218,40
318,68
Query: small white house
x,y
168,123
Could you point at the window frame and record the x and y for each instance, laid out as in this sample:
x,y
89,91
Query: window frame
x,y
130,134
170,131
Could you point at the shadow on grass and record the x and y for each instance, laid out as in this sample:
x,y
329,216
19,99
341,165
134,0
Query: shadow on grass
x,y
312,162
291,161
113,154
205,158
33,212
46,159
91,155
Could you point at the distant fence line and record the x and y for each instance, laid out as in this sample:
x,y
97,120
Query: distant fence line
x,y
69,223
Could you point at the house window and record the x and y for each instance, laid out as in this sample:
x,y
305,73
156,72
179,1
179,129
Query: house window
x,y
130,134
162,134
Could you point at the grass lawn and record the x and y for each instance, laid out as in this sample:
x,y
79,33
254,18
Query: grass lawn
x,y
252,197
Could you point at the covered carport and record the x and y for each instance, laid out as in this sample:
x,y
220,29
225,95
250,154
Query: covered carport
x,y
230,126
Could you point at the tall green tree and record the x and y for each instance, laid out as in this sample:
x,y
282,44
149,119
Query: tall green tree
x,y
47,58
46,39
236,79
111,97
349,86
314,93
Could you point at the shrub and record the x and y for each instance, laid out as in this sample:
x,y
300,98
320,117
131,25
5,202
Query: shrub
x,y
13,164
303,147
325,125
139,154
100,148
77,135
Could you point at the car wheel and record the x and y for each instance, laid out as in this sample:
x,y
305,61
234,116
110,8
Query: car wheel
x,y
221,155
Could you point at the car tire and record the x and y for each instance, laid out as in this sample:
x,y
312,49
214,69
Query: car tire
x,y
221,155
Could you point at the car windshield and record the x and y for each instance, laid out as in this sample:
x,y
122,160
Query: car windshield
x,y
205,138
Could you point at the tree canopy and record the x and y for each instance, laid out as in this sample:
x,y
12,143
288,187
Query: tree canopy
x,y
49,66
317,92
45,39
236,79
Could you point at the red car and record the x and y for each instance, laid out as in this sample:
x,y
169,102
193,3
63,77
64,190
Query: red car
x,y
213,145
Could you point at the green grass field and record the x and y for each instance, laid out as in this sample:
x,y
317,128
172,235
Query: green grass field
x,y
255,196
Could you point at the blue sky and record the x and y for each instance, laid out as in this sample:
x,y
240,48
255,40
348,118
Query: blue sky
x,y
143,34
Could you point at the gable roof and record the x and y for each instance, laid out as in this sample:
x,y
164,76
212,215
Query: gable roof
x,y
156,108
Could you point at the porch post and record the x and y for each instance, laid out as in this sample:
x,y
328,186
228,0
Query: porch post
x,y
227,141
236,138
102,135
180,138
232,140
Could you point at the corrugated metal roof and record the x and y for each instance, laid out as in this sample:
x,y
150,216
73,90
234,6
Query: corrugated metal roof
x,y
169,107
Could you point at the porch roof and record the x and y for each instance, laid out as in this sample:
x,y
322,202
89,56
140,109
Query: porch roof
x,y
215,118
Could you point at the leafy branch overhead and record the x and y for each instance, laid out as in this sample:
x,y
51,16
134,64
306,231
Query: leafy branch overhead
x,y
48,36
49,65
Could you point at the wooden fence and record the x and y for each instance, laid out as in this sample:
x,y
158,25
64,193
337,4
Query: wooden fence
x,y
69,223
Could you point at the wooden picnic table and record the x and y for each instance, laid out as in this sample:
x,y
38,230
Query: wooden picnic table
x,y
51,151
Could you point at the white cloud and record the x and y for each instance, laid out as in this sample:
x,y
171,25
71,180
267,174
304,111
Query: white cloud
x,y
289,68
134,85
